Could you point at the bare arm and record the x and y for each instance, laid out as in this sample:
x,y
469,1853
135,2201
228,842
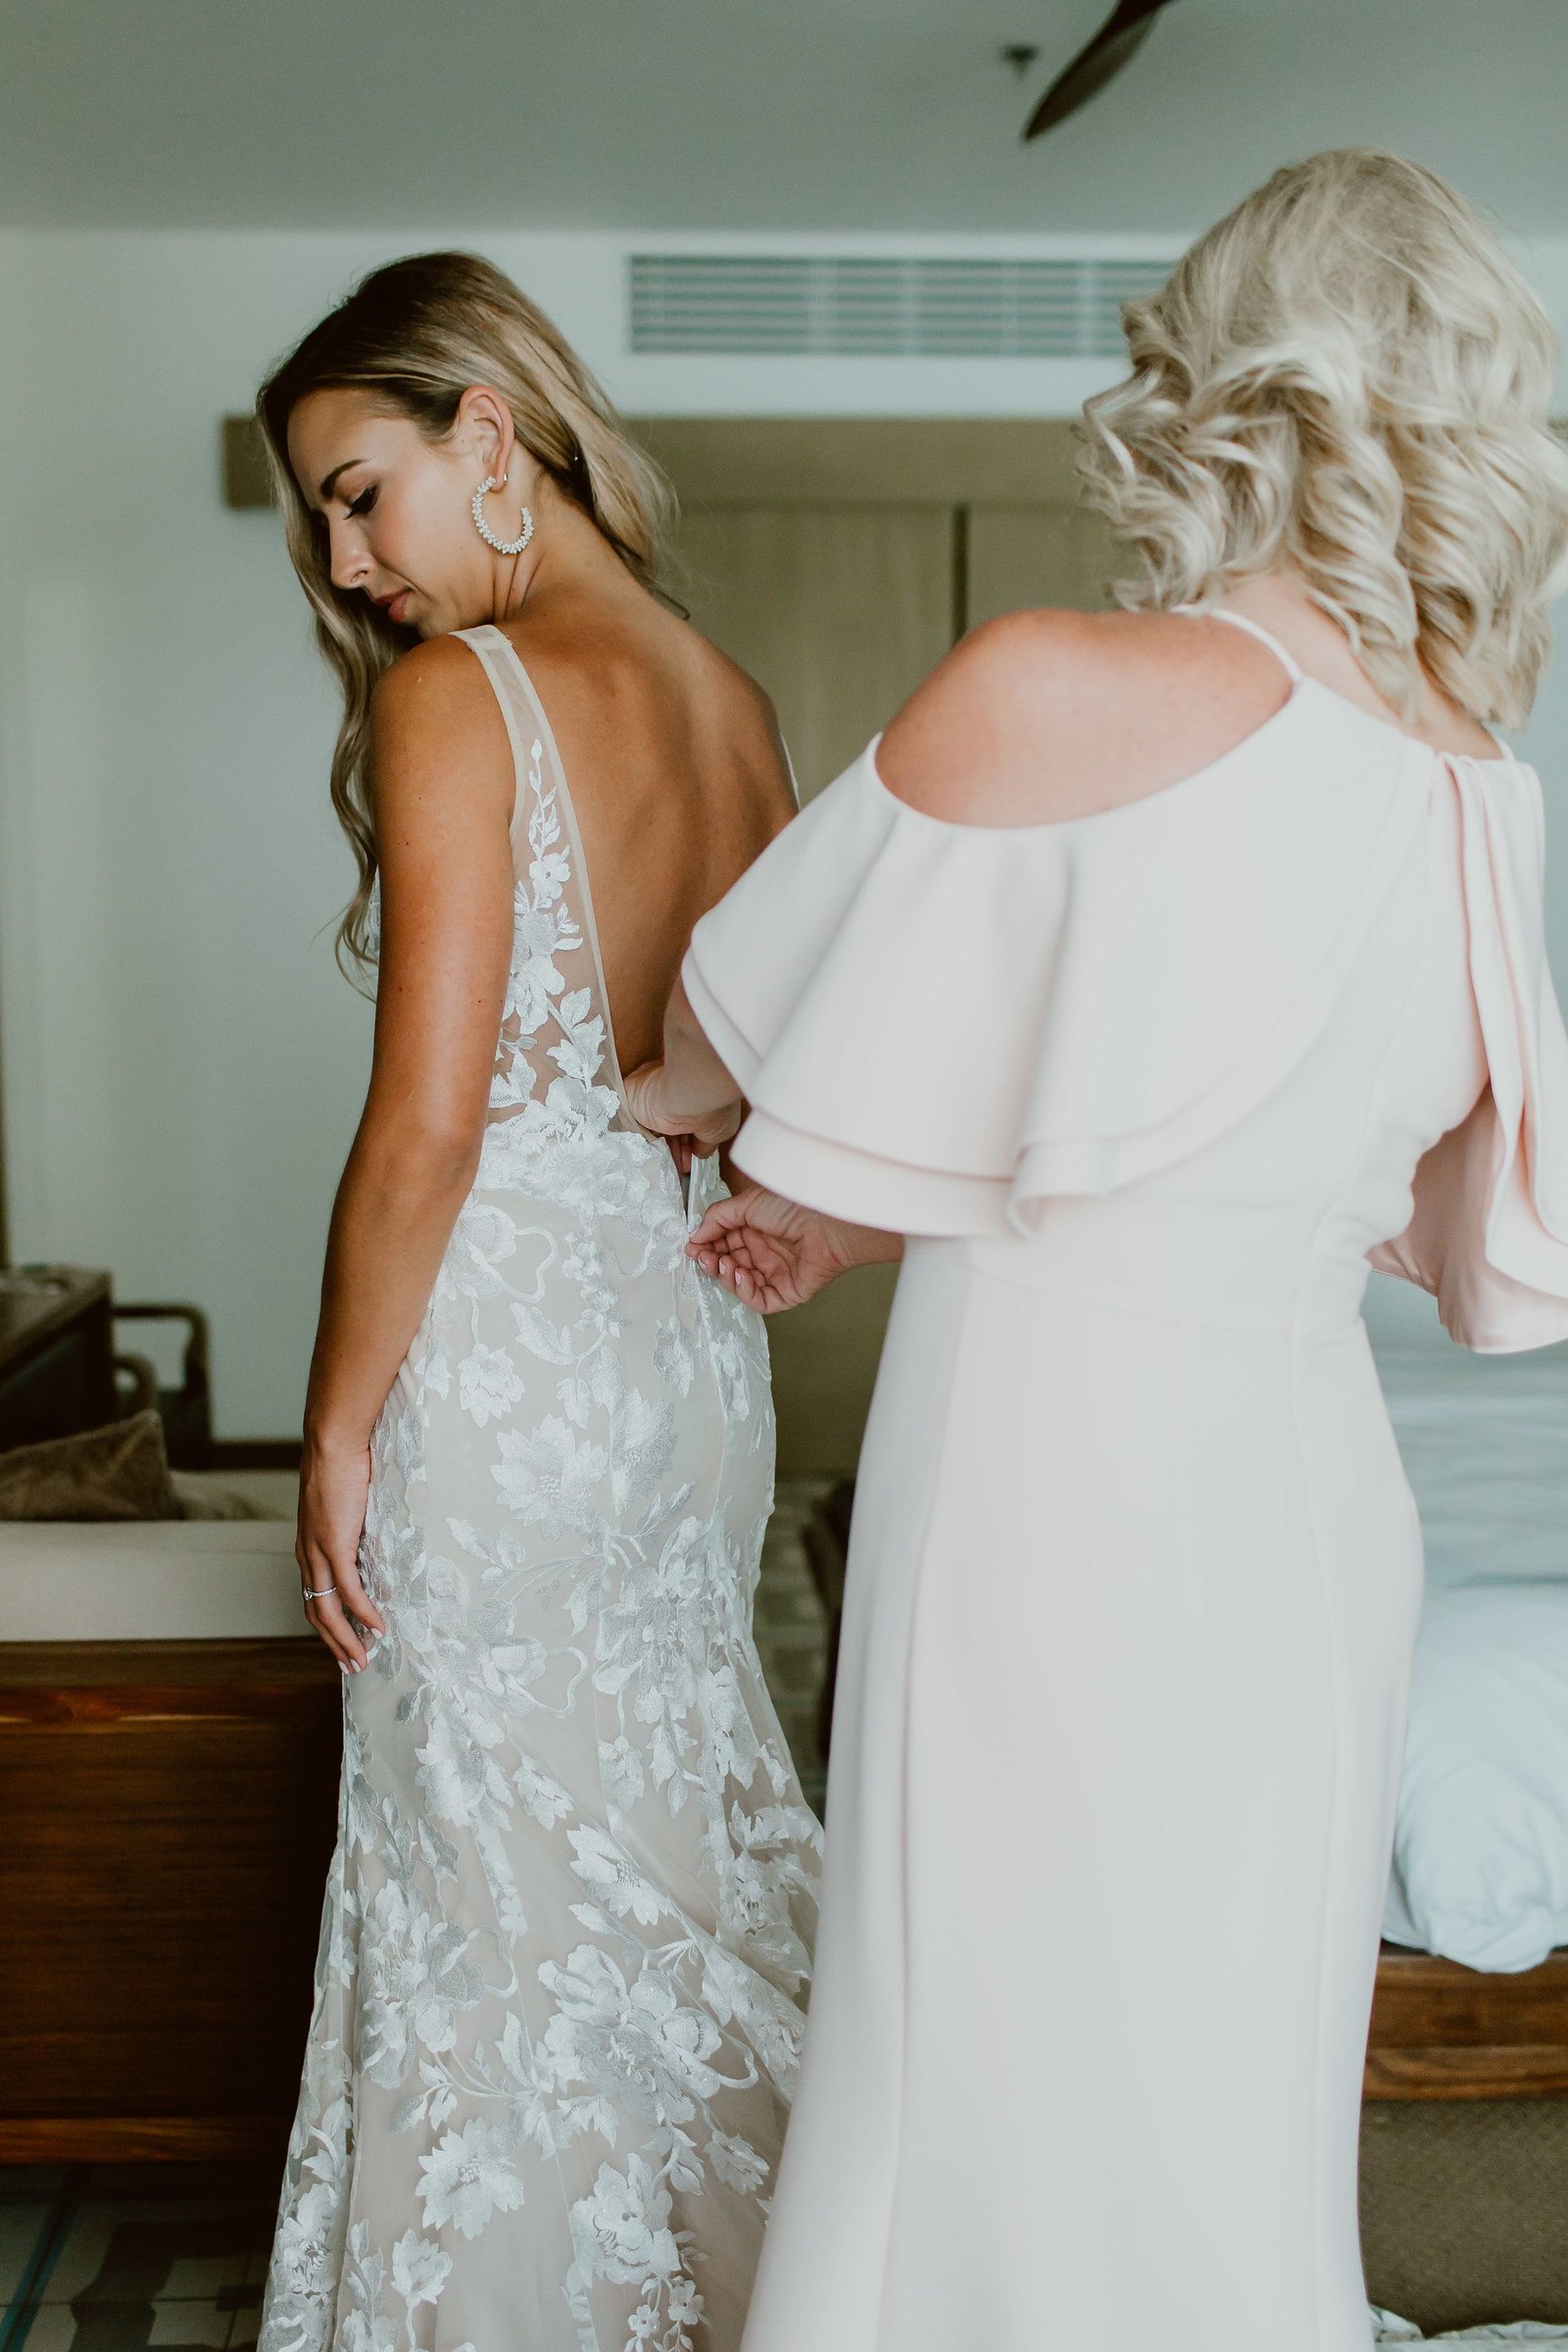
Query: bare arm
x,y
441,775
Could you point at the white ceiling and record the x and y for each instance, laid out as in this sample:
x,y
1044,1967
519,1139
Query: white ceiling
x,y
772,115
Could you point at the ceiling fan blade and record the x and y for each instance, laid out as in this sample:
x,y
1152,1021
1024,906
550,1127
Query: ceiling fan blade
x,y
1123,33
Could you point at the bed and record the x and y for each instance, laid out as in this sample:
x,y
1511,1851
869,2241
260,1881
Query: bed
x,y
169,1762
1472,1984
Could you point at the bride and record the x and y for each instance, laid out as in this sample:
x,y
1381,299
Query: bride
x,y
559,1999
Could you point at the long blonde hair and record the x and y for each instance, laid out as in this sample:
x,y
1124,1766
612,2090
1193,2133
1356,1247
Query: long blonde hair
x,y
414,336
1348,376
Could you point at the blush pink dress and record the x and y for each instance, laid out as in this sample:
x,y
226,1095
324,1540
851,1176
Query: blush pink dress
x,y
1135,1569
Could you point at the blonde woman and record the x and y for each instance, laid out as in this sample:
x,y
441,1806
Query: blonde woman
x,y
1151,972
559,2001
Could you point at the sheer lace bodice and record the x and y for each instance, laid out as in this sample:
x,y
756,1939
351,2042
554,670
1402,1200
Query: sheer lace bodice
x,y
556,1031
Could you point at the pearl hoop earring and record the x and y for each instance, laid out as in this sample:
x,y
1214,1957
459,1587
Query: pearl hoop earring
x,y
502,546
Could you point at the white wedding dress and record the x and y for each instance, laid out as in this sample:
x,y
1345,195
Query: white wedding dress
x,y
559,1999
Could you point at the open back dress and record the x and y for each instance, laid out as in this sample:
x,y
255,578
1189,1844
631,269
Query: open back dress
x,y
558,2003
1135,1571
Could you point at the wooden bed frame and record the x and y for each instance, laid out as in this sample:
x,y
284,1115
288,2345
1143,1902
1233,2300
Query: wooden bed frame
x,y
1443,2031
169,1809
169,1812
1439,2031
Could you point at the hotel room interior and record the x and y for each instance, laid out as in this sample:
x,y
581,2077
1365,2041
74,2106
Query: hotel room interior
x,y
853,313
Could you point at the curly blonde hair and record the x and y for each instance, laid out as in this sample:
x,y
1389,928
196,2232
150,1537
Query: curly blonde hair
x,y
1347,375
414,336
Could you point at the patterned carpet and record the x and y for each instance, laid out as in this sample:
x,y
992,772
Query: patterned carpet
x,y
101,2258
112,2258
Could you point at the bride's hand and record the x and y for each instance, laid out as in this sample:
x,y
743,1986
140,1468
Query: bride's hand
x,y
772,1253
334,1482
690,1133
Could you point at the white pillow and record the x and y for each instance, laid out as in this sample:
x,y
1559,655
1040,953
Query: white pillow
x,y
1481,1846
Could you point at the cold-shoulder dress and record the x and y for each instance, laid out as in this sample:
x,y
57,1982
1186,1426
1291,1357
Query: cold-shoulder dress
x,y
560,1997
1135,1570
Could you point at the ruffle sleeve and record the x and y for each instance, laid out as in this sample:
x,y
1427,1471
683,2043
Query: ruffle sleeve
x,y
1489,1231
942,1026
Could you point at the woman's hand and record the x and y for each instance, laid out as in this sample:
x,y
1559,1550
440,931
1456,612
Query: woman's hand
x,y
686,1094
691,1133
333,1486
772,1253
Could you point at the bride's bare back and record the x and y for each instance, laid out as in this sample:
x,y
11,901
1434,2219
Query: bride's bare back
x,y
677,776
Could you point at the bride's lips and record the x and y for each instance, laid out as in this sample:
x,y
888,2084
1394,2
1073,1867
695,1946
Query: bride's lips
x,y
396,606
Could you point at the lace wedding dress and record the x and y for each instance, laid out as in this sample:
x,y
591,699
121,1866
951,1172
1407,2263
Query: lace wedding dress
x,y
559,1997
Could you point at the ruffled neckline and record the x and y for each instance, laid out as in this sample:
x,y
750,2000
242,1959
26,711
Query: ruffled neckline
x,y
943,1027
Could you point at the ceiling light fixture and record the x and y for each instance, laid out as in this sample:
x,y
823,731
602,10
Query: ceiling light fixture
x,y
1100,59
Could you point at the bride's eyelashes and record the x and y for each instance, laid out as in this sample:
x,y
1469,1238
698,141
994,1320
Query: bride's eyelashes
x,y
363,504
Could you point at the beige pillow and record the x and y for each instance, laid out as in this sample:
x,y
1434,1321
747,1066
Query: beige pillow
x,y
200,1496
117,1472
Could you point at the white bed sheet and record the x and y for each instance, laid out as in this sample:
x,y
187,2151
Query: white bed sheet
x,y
1480,1850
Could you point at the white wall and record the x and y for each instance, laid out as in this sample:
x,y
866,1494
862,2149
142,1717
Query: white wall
x,y
182,1064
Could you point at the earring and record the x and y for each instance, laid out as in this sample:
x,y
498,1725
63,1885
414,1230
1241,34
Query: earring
x,y
502,546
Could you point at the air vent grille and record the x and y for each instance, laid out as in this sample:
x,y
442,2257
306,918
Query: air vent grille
x,y
883,306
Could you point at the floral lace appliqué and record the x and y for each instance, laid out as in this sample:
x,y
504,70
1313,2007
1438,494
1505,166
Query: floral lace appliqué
x,y
558,1998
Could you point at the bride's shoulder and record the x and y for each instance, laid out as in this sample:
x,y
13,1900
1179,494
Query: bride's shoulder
x,y
430,683
434,716
1043,716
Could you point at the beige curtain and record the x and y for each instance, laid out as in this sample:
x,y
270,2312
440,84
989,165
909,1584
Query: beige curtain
x,y
1028,555
839,612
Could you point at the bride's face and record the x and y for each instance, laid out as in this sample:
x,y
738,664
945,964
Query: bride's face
x,y
397,507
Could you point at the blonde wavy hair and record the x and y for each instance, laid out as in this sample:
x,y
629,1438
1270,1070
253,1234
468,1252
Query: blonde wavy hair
x,y
414,336
1348,376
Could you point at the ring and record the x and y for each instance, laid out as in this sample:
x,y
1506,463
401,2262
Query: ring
x,y
326,1590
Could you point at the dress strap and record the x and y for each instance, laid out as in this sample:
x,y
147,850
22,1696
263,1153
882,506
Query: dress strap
x,y
1239,621
544,797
